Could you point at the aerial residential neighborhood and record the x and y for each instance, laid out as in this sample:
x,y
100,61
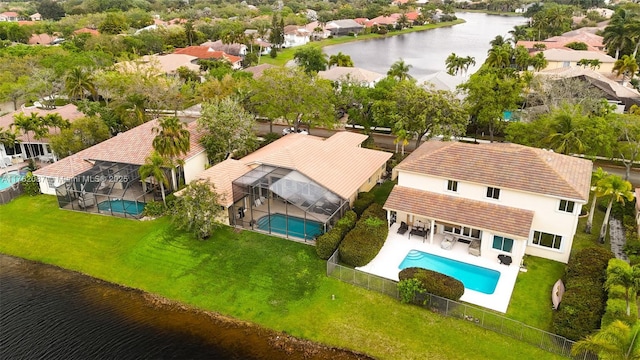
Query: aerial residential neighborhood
x,y
340,180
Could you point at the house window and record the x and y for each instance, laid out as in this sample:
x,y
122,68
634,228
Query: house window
x,y
502,243
493,193
567,206
452,185
51,182
547,240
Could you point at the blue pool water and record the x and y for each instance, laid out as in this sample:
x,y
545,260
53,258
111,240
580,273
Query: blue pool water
x,y
10,178
122,206
290,225
473,277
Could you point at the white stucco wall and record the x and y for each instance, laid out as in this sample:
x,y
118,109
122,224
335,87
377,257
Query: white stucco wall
x,y
547,218
194,166
43,181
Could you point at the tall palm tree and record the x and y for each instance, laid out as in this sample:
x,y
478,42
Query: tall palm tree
x,y
538,61
626,276
499,40
499,56
616,341
626,66
154,166
619,190
78,82
172,140
30,124
596,176
400,70
615,35
8,138
56,121
340,59
454,64
567,138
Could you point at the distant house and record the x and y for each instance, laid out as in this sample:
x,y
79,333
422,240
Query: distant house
x,y
344,27
205,52
296,36
351,74
442,81
593,41
300,179
391,20
507,199
9,16
167,64
258,69
231,49
28,146
41,39
104,178
318,32
35,17
559,58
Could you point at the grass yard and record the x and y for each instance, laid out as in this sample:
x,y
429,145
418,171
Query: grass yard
x,y
273,282
285,55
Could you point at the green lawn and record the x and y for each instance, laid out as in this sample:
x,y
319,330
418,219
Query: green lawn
x,y
269,281
285,55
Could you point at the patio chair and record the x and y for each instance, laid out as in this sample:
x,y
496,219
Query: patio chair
x,y
403,228
448,242
474,247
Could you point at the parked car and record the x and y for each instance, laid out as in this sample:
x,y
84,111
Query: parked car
x,y
290,130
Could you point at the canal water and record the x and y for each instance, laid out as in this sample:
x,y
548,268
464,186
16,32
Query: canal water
x,y
50,313
426,51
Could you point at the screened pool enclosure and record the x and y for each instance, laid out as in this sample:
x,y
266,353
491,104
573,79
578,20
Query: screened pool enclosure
x,y
107,188
284,202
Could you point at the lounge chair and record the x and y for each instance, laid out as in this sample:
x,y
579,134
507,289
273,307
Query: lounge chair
x,y
474,247
403,228
448,242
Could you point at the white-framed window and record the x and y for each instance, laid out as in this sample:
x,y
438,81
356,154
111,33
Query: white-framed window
x,y
493,193
502,243
566,206
547,240
452,185
463,230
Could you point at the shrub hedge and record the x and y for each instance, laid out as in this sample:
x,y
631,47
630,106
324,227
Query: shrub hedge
x,y
616,308
434,282
364,242
328,242
363,202
583,303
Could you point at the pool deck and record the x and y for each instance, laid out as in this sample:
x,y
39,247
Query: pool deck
x,y
397,246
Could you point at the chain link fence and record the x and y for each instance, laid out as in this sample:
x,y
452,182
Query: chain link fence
x,y
489,320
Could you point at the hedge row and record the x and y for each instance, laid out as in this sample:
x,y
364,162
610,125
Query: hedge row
x,y
328,242
363,202
434,282
583,303
364,242
616,308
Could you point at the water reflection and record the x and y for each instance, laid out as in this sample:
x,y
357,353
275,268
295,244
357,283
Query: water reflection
x,y
427,51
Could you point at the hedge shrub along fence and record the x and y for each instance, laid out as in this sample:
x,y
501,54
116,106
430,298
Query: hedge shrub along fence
x,y
583,303
363,202
616,308
364,242
434,282
327,243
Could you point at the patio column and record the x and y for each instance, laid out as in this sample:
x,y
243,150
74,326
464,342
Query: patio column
x,y
431,230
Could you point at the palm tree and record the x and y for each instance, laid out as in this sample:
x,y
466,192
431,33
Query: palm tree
x,y
78,82
567,138
616,341
596,176
518,33
340,59
615,35
627,66
29,124
499,40
8,138
619,190
399,70
454,64
499,56
154,166
625,276
538,61
56,121
172,140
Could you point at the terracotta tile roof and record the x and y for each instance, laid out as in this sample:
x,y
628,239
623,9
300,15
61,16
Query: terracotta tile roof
x,y
637,192
460,211
341,73
337,163
41,39
576,55
93,32
68,112
501,165
10,14
130,147
205,52
258,70
222,176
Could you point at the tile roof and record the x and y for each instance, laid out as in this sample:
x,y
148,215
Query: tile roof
x,y
258,69
205,52
341,73
222,176
637,192
85,30
130,147
460,211
68,112
602,81
502,165
337,163
576,55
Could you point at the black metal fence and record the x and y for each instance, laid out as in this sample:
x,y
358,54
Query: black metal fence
x,y
489,320
10,193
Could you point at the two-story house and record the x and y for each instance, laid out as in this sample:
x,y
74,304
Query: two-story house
x,y
508,199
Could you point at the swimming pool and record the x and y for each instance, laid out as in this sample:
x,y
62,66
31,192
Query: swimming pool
x,y
122,206
9,178
290,225
473,277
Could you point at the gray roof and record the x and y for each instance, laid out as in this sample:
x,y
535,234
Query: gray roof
x,y
341,73
344,23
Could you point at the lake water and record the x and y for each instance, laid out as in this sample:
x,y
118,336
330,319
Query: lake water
x,y
50,313
426,51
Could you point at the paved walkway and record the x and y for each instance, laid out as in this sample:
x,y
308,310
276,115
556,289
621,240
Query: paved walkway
x,y
617,238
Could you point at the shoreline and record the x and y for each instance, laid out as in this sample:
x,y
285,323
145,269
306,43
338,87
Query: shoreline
x,y
277,340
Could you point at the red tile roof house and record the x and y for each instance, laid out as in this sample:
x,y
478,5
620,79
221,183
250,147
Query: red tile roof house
x,y
107,173
28,144
509,199
303,180
205,52
9,16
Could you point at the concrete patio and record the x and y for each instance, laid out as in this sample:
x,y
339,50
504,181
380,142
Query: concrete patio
x,y
398,246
